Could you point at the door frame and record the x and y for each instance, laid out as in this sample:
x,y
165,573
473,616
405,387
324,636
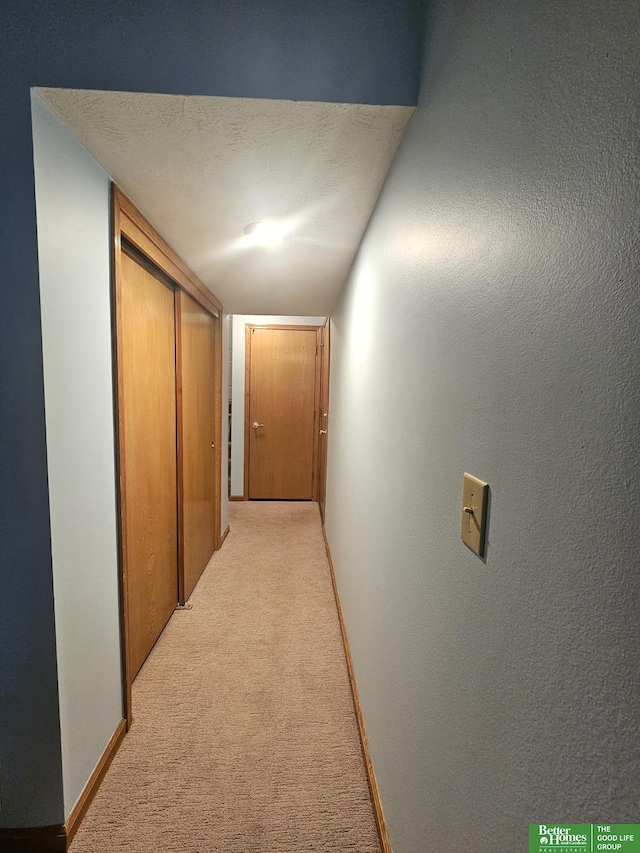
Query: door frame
x,y
316,396
128,225
323,422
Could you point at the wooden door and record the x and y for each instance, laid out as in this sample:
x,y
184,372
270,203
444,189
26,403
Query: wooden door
x,y
323,432
283,383
199,482
147,401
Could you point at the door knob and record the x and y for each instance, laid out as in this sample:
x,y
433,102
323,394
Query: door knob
x,y
212,444
323,432
256,425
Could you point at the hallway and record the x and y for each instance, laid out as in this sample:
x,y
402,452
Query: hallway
x,y
483,319
244,735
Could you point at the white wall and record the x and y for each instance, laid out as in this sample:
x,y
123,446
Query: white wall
x,y
491,325
72,200
237,384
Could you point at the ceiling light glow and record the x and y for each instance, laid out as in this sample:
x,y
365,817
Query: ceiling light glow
x,y
267,232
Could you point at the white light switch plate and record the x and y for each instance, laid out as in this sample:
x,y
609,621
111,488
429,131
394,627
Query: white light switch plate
x,y
474,513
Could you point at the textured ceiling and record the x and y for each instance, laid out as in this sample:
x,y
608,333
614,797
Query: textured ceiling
x,y
202,168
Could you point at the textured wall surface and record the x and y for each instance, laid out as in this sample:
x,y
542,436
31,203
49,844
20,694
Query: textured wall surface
x,y
491,325
72,194
204,168
237,384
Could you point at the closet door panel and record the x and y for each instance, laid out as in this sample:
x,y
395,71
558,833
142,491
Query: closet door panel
x,y
197,412
148,448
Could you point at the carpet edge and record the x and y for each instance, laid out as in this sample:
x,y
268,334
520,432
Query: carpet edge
x,y
364,743
91,788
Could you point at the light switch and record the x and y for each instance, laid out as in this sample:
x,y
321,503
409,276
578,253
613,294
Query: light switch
x,y
474,513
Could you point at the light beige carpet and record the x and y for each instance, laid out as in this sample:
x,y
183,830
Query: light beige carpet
x,y
244,737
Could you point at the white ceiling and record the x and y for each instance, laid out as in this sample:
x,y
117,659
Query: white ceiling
x,y
202,168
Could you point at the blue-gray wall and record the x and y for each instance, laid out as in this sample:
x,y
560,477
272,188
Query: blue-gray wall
x,y
492,325
355,51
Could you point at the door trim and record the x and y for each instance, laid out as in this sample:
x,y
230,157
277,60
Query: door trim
x,y
177,308
247,388
323,420
146,239
130,226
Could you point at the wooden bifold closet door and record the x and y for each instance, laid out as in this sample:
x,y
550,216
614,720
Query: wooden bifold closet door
x,y
168,364
169,483
148,470
199,483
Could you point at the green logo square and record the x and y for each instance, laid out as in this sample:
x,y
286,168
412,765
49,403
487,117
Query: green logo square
x,y
584,838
